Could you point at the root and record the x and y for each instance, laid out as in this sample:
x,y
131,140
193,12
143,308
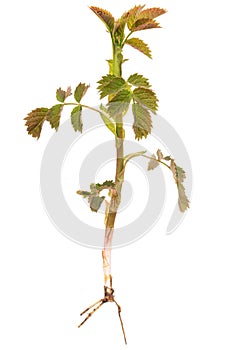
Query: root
x,y
108,297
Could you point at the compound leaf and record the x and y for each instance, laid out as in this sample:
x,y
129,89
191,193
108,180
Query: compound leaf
x,y
139,45
146,98
138,80
94,198
80,91
35,121
110,84
142,121
54,115
105,17
76,119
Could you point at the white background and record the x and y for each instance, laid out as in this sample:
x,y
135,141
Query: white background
x,y
175,291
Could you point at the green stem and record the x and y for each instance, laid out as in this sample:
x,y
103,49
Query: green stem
x,y
119,178
84,106
127,38
102,112
159,161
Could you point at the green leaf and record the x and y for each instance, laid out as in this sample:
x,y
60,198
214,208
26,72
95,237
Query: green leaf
x,y
95,202
119,104
152,13
139,45
153,163
179,177
54,116
138,80
146,97
108,184
107,120
80,91
61,95
142,121
76,119
133,155
167,158
105,17
110,84
35,121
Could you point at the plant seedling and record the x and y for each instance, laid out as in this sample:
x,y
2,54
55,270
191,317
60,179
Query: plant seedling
x,y
121,93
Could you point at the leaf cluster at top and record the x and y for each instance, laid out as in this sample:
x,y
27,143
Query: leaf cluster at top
x,y
136,19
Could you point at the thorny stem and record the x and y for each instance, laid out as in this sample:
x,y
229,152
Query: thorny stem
x,y
113,205
119,178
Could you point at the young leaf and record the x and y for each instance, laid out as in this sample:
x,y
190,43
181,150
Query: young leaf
x,y
110,84
93,197
138,80
107,120
139,22
54,116
35,121
76,119
147,25
167,158
105,17
146,97
152,13
119,104
133,14
142,121
153,163
61,95
159,154
119,30
139,45
80,91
